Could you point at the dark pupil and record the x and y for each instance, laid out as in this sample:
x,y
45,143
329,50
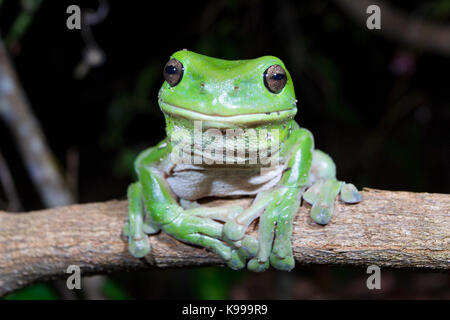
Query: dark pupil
x,y
278,76
171,69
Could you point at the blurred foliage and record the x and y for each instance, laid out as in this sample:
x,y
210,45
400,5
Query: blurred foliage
x,y
113,291
214,283
121,114
22,21
35,292
110,289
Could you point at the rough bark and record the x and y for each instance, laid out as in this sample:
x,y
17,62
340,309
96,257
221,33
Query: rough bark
x,y
389,229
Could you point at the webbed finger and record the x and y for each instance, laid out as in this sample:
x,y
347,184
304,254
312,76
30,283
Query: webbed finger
x,y
237,261
215,245
349,193
138,242
313,192
284,264
323,207
235,228
224,214
139,247
257,266
266,233
249,246
288,209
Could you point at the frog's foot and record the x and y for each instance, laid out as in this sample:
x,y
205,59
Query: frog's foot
x,y
243,246
285,264
281,256
237,225
248,247
223,214
197,226
322,194
241,250
207,233
276,209
349,193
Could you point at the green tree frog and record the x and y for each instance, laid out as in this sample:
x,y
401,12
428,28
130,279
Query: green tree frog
x,y
204,99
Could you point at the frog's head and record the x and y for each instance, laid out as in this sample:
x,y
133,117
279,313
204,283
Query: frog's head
x,y
227,94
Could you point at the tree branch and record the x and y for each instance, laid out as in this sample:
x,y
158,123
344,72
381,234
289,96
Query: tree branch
x,y
397,25
389,229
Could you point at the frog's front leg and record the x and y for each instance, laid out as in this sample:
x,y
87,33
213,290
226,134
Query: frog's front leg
x,y
195,226
135,228
324,188
153,207
277,207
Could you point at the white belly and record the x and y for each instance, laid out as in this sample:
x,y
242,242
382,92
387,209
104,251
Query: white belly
x,y
192,182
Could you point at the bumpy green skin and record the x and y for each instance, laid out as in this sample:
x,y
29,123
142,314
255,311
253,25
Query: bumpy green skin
x,y
232,94
222,87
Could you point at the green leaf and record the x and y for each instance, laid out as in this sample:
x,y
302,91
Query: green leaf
x,y
113,291
214,283
39,291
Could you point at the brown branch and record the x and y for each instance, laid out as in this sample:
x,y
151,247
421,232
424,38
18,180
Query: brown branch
x,y
397,25
389,229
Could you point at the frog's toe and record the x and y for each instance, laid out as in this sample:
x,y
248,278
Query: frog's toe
x,y
321,213
349,193
282,247
323,206
139,247
237,261
211,243
249,246
283,264
257,266
233,230
313,192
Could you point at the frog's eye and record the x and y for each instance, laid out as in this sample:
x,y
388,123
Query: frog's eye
x,y
275,78
173,72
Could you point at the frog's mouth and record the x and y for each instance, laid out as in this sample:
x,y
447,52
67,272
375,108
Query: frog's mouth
x,y
226,121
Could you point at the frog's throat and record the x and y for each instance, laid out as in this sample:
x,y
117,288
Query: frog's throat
x,y
228,121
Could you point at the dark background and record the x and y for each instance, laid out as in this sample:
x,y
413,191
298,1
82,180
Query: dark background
x,y
380,108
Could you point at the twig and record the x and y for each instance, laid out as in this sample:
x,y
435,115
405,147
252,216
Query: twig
x,y
7,182
389,229
38,158
396,24
22,22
